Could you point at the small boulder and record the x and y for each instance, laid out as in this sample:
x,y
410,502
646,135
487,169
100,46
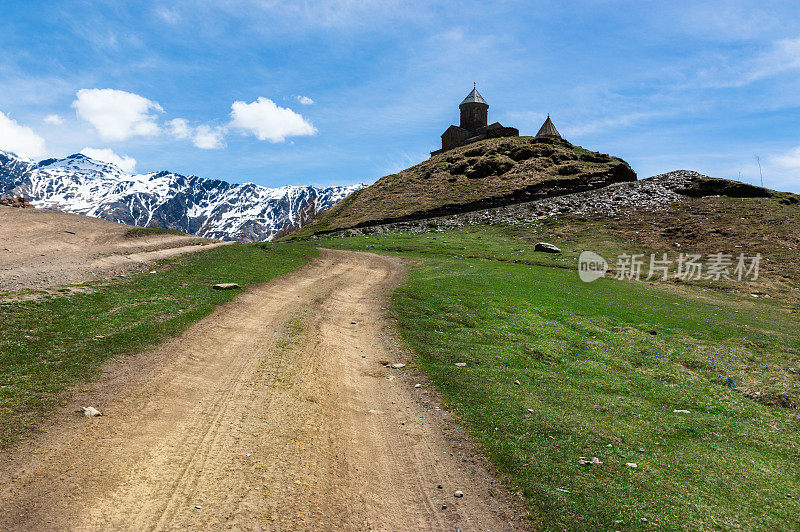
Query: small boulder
x,y
545,247
458,494
398,366
226,286
461,364
631,464
90,411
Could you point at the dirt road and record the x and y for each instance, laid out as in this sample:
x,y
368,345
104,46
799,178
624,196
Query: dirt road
x,y
41,249
274,413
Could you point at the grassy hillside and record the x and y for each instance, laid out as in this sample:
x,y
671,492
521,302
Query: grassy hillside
x,y
48,344
603,367
488,173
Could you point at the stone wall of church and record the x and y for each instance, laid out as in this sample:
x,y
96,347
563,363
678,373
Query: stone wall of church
x,y
474,116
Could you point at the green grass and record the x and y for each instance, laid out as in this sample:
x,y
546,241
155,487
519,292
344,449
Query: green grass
x,y
593,375
144,231
47,345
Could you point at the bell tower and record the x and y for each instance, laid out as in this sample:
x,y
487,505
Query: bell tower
x,y
474,111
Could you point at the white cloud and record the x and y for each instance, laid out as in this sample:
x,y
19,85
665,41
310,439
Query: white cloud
x,y
208,138
19,139
612,123
305,100
203,136
783,56
117,115
170,16
267,121
179,127
125,163
789,160
56,120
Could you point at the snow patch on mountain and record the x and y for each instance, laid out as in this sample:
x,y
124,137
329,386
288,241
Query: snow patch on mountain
x,y
204,207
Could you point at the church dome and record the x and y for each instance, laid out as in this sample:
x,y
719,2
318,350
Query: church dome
x,y
474,97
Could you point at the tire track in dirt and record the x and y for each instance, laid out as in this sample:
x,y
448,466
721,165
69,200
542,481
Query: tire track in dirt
x,y
273,413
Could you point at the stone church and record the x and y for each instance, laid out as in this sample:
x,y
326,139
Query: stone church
x,y
474,125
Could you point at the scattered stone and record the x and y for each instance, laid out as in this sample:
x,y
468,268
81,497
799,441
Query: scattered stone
x,y
458,494
440,487
461,364
594,461
563,490
530,410
652,332
444,507
197,507
641,449
631,464
644,519
383,362
417,386
353,323
518,383
19,202
398,366
90,411
545,247
223,286
680,412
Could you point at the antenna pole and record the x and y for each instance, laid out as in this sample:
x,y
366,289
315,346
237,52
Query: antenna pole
x,y
758,160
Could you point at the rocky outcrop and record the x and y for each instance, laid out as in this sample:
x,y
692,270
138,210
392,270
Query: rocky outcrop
x,y
710,186
488,174
647,194
19,202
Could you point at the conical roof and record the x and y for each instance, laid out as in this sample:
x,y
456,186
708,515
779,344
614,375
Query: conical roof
x,y
548,129
473,97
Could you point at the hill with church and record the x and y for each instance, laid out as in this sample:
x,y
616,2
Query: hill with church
x,y
479,166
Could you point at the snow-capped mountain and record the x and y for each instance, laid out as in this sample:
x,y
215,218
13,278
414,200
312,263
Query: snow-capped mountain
x,y
204,207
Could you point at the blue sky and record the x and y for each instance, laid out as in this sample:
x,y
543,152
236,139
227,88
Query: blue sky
x,y
215,88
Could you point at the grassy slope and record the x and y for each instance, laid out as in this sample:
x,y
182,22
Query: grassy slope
x,y
47,345
487,170
593,375
146,231
770,226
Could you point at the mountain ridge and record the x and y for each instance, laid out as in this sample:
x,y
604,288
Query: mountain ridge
x,y
211,208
